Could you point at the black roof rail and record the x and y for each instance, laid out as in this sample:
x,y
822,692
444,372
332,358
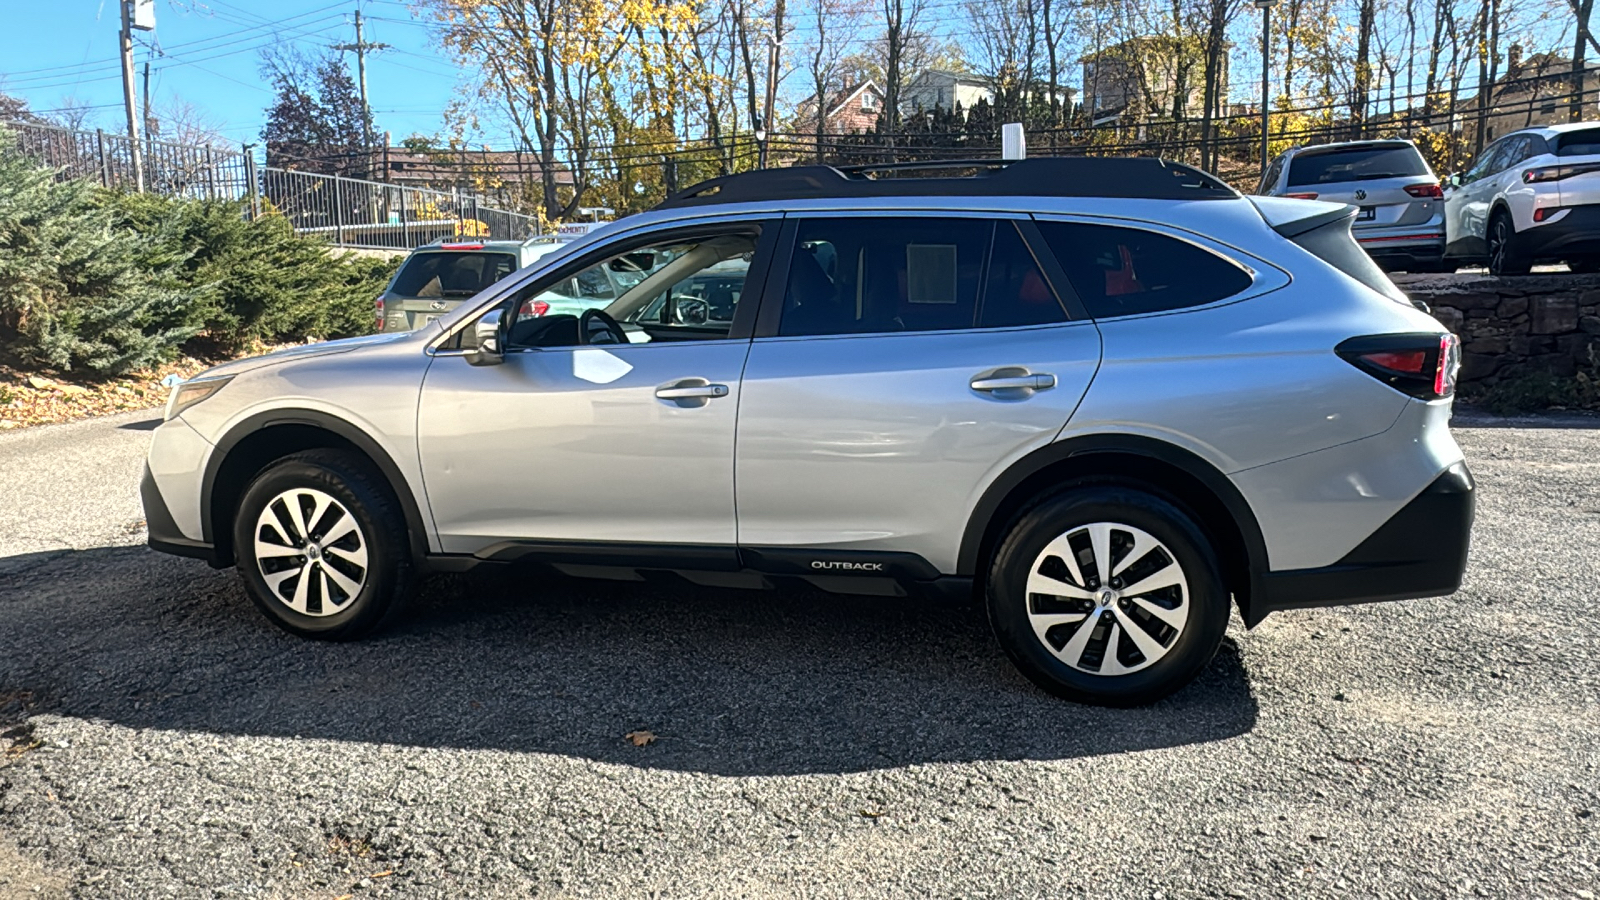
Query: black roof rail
x,y
1142,178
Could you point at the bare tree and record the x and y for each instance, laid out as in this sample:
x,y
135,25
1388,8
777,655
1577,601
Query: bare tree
x,y
902,39
835,26
1217,16
1006,41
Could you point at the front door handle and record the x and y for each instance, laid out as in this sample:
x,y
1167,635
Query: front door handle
x,y
1029,382
691,389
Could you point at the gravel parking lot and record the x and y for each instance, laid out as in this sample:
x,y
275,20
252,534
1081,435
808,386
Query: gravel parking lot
x,y
165,740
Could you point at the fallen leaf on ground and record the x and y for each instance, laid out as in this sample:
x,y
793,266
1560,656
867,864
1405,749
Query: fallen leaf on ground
x,y
641,738
384,874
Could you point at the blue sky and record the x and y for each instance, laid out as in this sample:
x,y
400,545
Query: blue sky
x,y
209,53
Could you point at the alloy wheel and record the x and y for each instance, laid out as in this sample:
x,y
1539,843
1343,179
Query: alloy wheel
x,y
1107,598
311,552
1498,240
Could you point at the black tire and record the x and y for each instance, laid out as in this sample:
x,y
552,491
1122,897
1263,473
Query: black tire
x,y
387,579
1506,254
1063,513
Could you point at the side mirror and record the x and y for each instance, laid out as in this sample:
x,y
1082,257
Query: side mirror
x,y
491,340
1453,180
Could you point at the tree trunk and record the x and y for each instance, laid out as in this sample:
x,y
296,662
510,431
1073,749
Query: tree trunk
x,y
1361,96
1575,103
1441,11
1215,33
1055,70
894,35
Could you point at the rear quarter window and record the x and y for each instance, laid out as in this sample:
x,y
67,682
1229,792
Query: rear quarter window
x,y
1355,164
1119,271
1579,143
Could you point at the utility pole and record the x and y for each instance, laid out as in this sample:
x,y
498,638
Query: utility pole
x,y
361,47
146,104
134,150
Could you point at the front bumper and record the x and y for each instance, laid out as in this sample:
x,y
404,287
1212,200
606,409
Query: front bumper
x,y
1420,552
165,535
1576,234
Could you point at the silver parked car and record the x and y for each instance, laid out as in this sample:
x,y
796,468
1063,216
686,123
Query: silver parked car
x,y
1399,201
435,279
1111,396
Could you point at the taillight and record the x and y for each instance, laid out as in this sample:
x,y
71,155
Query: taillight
x,y
1545,174
379,306
539,307
1422,365
1301,196
460,246
1426,191
1545,212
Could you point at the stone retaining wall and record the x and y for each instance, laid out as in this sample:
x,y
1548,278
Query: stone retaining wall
x,y
1509,326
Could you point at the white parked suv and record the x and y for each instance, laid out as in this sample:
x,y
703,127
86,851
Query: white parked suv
x,y
1531,197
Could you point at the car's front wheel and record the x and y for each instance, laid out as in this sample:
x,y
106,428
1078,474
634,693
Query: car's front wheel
x,y
321,545
1107,595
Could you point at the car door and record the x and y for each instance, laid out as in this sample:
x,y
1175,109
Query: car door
x,y
901,362
1467,204
596,443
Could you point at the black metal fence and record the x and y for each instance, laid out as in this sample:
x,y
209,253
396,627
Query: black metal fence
x,y
347,212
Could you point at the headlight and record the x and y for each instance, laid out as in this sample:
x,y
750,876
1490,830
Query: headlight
x,y
187,393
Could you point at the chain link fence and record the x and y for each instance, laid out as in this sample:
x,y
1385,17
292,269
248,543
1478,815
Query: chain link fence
x,y
347,212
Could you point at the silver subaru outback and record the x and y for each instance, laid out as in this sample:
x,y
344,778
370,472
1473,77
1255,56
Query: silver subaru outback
x,y
1111,397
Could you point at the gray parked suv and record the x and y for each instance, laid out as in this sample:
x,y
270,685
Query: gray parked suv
x,y
1399,201
1110,396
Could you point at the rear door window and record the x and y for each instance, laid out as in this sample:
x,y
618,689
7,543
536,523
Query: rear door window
x,y
1119,271
445,274
1360,163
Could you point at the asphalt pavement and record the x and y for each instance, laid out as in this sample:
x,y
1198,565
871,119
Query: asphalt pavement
x,y
160,738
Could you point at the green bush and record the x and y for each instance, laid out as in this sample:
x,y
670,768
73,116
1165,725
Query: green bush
x,y
111,282
256,280
75,290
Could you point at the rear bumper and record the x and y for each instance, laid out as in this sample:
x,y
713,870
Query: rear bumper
x,y
1421,551
1577,233
165,535
1420,247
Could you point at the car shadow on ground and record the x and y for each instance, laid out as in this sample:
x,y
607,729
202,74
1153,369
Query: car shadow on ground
x,y
731,682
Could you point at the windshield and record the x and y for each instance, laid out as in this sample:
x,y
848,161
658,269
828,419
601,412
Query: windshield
x,y
1359,163
444,274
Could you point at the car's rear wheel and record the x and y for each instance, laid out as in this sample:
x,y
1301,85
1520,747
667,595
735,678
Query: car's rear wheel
x,y
1107,595
1506,255
321,545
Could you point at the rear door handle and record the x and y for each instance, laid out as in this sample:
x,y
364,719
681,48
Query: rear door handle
x,y
691,391
1042,382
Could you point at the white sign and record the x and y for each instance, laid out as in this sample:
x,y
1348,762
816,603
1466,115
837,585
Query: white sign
x,y
144,15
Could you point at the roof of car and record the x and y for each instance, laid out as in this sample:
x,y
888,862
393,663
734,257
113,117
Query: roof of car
x,y
1562,128
1146,178
469,245
1346,145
